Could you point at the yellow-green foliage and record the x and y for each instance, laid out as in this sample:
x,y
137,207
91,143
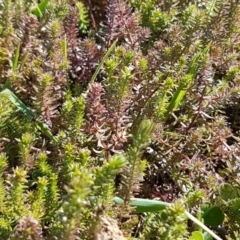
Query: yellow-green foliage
x,y
144,104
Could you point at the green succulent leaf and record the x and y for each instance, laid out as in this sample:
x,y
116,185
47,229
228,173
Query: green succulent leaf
x,y
196,236
214,216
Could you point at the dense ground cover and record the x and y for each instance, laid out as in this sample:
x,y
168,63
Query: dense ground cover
x,y
104,104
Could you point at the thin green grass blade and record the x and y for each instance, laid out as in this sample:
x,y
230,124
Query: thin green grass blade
x,y
19,104
147,205
44,129
144,205
102,62
190,76
175,101
23,61
194,64
16,57
28,113
65,47
40,8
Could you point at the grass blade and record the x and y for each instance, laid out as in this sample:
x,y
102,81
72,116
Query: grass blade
x,y
188,79
144,205
176,99
102,62
40,8
23,61
28,112
16,57
65,47
194,64
44,129
19,104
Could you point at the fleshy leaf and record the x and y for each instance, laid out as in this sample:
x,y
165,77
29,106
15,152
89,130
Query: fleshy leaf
x,y
196,236
214,216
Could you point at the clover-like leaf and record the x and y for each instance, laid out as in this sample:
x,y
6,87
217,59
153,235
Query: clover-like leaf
x,y
214,216
196,236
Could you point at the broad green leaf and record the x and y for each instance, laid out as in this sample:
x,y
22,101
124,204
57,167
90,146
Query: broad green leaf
x,y
214,216
196,236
